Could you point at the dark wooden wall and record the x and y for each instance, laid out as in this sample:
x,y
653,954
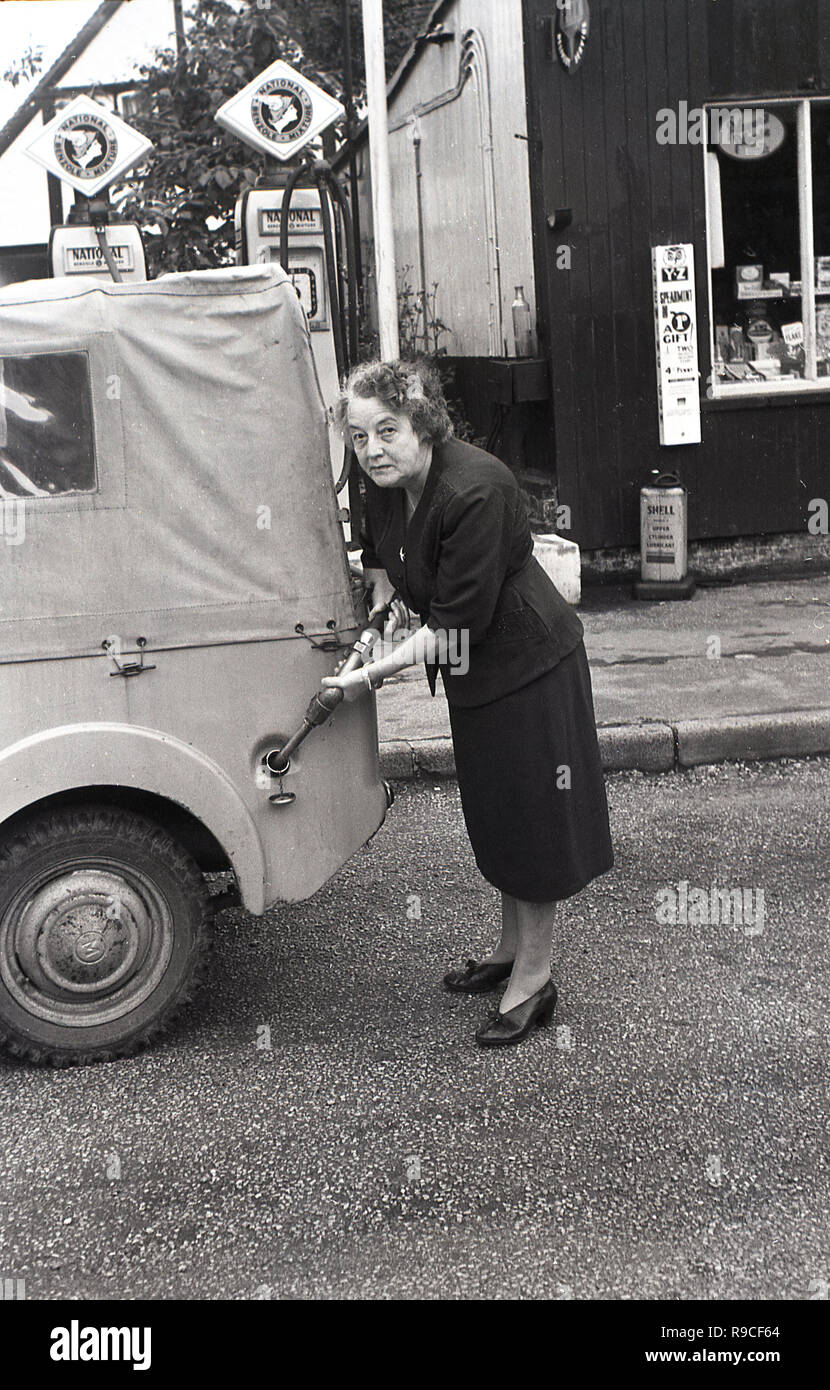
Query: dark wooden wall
x,y
593,149
767,46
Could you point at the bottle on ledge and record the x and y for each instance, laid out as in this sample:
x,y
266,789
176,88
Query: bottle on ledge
x,y
522,325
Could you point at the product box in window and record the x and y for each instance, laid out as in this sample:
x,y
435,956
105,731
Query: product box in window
x,y
723,345
760,336
749,281
823,333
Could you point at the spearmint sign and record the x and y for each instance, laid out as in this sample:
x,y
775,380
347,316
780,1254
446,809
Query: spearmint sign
x,y
675,331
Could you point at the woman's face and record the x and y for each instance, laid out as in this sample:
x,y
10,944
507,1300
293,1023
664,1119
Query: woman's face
x,y
386,445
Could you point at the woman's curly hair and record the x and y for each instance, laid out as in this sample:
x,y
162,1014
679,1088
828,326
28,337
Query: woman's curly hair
x,y
410,388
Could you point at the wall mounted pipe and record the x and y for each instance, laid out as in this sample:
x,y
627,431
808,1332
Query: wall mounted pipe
x,y
472,63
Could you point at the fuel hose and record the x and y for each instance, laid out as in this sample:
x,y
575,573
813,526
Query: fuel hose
x,y
100,232
325,702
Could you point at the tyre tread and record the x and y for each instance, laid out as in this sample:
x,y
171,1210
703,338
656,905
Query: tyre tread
x,y
39,833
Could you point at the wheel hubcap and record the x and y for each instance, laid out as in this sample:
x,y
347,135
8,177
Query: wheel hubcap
x,y
82,934
85,945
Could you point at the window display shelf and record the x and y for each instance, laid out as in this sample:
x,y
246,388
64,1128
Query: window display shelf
x,y
778,293
775,386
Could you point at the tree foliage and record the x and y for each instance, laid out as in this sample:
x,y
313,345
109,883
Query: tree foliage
x,y
25,68
184,197
318,26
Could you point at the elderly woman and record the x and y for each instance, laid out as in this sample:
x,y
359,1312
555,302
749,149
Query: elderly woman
x,y
447,531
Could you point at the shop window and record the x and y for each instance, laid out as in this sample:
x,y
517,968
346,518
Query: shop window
x,y
768,233
46,431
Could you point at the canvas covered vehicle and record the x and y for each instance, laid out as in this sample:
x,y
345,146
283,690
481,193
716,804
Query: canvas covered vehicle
x,y
173,585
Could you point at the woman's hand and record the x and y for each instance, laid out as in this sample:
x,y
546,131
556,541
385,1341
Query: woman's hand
x,y
383,594
380,587
398,617
353,684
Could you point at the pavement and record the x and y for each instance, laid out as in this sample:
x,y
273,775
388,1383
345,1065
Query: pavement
x,y
735,673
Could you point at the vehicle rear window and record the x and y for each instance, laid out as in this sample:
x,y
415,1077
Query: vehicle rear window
x,y
47,444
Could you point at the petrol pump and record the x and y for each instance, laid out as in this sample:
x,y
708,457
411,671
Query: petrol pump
x,y
300,217
88,147
93,241
257,220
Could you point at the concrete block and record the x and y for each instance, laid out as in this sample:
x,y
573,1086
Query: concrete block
x,y
645,747
434,756
396,760
560,559
743,738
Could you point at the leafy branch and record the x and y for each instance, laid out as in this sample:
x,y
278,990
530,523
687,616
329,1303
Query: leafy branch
x,y
26,68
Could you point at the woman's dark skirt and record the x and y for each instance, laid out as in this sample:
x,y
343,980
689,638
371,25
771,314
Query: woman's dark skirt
x,y
531,785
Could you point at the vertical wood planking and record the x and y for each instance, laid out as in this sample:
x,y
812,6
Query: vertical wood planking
x,y
795,63
600,156
759,46
638,135
616,168
561,189
680,87
822,48
598,464
656,94
721,30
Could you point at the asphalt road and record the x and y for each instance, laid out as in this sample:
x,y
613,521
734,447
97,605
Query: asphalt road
x,y
322,1124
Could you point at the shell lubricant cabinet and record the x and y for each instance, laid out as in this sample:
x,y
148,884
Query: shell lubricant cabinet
x,y
663,540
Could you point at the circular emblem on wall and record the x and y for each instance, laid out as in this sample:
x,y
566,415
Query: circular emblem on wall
x,y
281,110
86,146
573,23
749,132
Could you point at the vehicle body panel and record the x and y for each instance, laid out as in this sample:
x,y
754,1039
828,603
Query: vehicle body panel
x,y
212,534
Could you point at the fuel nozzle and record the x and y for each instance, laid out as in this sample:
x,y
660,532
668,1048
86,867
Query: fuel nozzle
x,y
323,704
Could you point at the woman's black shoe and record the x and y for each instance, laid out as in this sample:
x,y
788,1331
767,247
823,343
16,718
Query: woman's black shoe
x,y
477,979
502,1029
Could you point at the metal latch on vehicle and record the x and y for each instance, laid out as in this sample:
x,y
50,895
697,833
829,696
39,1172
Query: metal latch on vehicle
x,y
112,647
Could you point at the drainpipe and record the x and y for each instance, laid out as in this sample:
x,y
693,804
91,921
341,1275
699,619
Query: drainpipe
x,y
473,63
479,66
415,136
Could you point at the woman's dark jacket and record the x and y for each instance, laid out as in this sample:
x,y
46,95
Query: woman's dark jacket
x,y
465,563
